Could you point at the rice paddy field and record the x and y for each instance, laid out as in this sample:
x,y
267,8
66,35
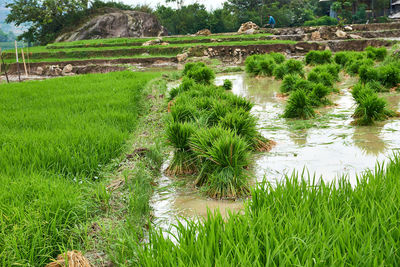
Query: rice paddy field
x,y
293,161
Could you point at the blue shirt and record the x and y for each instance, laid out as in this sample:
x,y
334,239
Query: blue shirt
x,y
271,20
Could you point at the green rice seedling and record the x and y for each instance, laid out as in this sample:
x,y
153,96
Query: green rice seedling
x,y
289,82
376,53
226,157
353,67
296,221
298,106
304,85
56,137
368,74
186,112
227,85
370,108
236,101
318,57
376,86
243,123
389,75
278,57
342,58
318,95
332,69
290,66
183,161
321,77
251,64
186,85
201,75
191,66
266,66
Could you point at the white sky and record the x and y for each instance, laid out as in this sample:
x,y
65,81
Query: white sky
x,y
210,4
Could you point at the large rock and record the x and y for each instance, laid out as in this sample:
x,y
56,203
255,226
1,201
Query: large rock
x,y
204,32
116,23
245,27
340,34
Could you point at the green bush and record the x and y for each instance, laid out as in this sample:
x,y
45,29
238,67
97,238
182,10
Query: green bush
x,y
225,156
318,57
321,21
298,106
376,53
227,84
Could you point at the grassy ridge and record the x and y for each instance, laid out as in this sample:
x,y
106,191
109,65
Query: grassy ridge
x,y
54,135
295,223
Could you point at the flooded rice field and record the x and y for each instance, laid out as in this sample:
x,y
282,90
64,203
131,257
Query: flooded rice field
x,y
327,146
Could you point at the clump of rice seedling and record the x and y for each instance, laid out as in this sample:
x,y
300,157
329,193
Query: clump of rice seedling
x,y
227,84
238,102
342,58
184,112
321,77
298,106
318,57
278,57
376,53
360,91
260,65
332,69
318,95
186,85
368,74
353,67
290,66
289,83
202,75
191,66
370,108
242,123
183,161
304,85
225,156
389,75
376,86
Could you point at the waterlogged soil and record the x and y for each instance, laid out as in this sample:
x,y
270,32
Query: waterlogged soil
x,y
326,147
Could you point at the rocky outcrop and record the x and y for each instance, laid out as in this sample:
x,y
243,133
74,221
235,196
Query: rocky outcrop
x,y
116,23
204,32
248,27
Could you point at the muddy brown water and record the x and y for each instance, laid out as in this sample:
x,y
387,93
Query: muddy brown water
x,y
330,149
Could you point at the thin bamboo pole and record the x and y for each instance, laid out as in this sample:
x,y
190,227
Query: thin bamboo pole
x,y
16,56
23,60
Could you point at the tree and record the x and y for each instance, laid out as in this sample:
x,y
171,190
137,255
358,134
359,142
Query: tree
x,y
46,18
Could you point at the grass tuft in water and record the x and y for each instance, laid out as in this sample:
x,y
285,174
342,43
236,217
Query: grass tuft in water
x,y
298,106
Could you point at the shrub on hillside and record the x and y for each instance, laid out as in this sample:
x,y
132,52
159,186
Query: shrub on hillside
x,y
321,21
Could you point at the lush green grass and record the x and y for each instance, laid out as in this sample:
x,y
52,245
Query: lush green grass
x,y
36,60
294,223
125,41
55,137
39,49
